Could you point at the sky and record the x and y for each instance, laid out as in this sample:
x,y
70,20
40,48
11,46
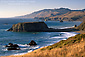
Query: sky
x,y
11,8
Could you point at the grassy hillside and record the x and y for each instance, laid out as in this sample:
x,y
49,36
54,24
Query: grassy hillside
x,y
57,14
72,47
81,26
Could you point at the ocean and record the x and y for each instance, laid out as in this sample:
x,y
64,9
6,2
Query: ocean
x,y
23,38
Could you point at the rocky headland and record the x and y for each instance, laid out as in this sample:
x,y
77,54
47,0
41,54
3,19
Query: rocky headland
x,y
36,27
64,14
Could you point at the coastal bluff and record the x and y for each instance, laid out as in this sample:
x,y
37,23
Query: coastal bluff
x,y
29,27
36,27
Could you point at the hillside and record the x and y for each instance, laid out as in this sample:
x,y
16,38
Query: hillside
x,y
57,14
81,26
72,47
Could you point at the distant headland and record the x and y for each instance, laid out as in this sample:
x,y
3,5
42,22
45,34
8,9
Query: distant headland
x,y
64,14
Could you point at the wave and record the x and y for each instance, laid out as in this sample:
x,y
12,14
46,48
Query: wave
x,y
23,53
67,27
3,29
64,35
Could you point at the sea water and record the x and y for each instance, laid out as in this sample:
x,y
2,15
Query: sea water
x,y
23,38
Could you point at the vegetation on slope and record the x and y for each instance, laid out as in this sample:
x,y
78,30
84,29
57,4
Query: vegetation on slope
x,y
81,26
69,41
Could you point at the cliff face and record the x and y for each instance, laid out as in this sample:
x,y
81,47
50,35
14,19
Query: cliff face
x,y
29,27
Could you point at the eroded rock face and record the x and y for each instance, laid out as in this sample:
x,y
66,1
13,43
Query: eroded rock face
x,y
29,27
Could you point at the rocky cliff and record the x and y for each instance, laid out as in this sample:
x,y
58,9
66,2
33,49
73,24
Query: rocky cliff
x,y
36,27
29,27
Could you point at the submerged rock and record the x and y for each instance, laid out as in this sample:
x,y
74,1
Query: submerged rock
x,y
32,43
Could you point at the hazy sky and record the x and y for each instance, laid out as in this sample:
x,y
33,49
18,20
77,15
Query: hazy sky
x,y
11,8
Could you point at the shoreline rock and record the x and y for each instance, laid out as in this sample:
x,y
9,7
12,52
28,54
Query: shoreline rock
x,y
12,46
32,43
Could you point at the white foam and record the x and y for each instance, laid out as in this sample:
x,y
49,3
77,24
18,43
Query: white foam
x,y
20,54
56,37
69,34
64,39
30,51
66,27
33,47
65,35
3,29
4,49
23,46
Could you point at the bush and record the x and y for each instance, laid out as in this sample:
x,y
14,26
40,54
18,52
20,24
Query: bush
x,y
76,17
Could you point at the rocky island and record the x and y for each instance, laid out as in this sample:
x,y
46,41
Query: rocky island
x,y
36,27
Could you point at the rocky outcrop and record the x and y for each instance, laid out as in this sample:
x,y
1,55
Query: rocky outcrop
x,y
36,27
12,46
32,43
29,27
75,25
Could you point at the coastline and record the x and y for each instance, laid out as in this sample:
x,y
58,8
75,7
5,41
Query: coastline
x,y
23,54
81,32
41,52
